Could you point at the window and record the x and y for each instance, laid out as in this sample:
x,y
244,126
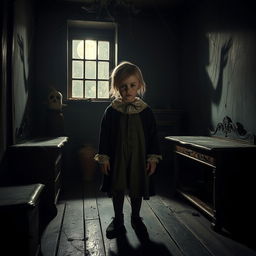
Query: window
x,y
91,57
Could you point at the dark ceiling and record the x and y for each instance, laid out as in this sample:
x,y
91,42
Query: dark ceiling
x,y
138,3
119,8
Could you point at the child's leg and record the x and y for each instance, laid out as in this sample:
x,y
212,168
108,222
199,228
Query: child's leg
x,y
118,203
117,225
136,220
136,205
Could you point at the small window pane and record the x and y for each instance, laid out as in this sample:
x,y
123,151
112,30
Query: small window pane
x,y
90,69
90,89
103,89
77,49
90,49
77,69
103,50
103,70
77,89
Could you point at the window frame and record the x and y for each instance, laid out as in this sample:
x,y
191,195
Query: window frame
x,y
100,31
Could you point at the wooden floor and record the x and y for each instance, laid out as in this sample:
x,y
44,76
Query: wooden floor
x,y
173,228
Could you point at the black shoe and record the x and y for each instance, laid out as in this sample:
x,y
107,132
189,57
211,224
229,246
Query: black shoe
x,y
138,224
115,228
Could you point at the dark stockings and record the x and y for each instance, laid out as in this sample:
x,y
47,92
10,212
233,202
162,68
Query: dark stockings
x,y
118,202
136,205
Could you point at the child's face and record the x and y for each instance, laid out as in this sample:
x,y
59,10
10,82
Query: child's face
x,y
129,87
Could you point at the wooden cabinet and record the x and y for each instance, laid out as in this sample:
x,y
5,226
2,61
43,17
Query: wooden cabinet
x,y
218,176
19,219
38,161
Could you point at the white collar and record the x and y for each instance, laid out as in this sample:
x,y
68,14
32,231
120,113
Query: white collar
x,y
134,107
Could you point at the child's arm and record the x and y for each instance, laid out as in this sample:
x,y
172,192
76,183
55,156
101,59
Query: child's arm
x,y
154,155
103,161
151,167
103,155
105,167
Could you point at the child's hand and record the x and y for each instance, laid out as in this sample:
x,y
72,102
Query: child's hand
x,y
105,167
151,167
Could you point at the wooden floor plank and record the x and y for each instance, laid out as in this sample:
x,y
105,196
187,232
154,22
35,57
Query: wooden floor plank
x,y
127,244
174,227
90,209
50,236
186,241
132,244
217,244
158,239
94,240
90,200
106,213
158,242
121,245
190,217
72,239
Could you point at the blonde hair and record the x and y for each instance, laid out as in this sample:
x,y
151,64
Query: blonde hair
x,y
123,71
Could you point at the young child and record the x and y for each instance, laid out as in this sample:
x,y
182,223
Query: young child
x,y
128,147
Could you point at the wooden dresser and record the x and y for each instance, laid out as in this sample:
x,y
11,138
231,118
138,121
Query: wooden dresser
x,y
217,175
38,161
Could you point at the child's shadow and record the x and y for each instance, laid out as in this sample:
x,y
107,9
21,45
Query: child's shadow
x,y
147,247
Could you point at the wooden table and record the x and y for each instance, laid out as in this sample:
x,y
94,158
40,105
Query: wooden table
x,y
217,175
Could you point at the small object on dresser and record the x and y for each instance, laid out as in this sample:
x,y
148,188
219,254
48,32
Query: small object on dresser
x,y
54,115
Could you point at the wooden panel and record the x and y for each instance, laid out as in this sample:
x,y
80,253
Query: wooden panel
x,y
72,240
203,158
169,121
58,164
57,187
210,143
46,143
199,203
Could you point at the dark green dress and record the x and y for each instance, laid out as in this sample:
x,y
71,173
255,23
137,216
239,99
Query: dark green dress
x,y
129,170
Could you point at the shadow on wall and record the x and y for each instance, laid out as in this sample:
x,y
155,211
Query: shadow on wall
x,y
212,76
218,56
207,83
